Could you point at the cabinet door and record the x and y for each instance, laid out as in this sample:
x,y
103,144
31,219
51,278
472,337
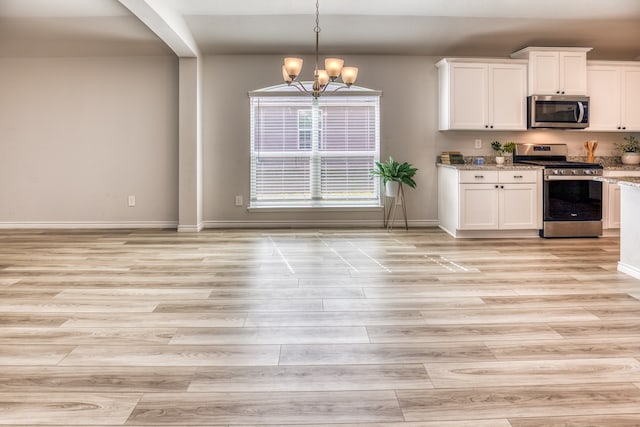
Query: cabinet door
x,y
478,207
507,96
630,100
612,213
573,73
468,96
604,91
544,68
518,206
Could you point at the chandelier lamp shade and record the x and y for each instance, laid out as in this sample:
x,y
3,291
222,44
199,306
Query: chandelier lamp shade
x,y
333,68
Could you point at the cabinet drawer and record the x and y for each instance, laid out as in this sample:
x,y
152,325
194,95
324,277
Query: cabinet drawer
x,y
515,177
478,176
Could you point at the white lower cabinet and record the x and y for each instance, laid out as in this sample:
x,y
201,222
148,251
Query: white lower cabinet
x,y
478,207
491,201
518,206
611,199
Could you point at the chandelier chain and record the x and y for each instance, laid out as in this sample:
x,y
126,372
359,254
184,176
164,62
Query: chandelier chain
x,y
317,28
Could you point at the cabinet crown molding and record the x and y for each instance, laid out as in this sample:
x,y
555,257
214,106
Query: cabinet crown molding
x,y
524,53
607,63
477,60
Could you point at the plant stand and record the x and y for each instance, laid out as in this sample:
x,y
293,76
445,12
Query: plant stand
x,y
390,215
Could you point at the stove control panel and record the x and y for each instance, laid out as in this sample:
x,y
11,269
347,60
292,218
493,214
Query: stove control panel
x,y
573,172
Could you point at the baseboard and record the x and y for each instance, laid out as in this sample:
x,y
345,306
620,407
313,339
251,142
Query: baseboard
x,y
628,269
87,224
319,224
398,224
492,234
190,228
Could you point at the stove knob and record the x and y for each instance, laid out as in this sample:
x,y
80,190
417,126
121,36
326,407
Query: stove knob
x,y
555,171
588,172
575,172
562,171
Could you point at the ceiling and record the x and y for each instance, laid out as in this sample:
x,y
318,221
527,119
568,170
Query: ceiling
x,y
408,27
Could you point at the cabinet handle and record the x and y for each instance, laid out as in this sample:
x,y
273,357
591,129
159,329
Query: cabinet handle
x,y
518,176
486,126
496,186
558,92
491,126
624,127
479,176
502,186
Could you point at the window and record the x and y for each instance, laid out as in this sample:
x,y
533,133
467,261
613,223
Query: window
x,y
305,129
309,152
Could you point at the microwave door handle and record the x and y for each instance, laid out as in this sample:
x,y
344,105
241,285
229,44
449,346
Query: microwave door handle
x,y
581,116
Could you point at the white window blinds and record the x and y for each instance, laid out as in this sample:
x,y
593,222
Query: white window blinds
x,y
314,152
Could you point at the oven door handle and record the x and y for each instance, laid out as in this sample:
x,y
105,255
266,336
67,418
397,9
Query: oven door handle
x,y
581,108
567,178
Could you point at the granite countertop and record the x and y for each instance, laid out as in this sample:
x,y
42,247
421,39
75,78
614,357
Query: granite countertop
x,y
633,181
622,167
493,166
490,167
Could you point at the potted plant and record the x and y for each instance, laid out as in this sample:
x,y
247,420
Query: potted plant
x,y
497,147
394,173
630,151
509,148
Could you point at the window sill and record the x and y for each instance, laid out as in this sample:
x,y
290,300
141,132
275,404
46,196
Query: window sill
x,y
315,208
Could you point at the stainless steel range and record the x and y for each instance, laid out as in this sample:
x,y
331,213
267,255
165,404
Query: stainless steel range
x,y
572,199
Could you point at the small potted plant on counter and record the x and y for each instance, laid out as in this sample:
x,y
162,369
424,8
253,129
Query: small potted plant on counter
x,y
509,148
394,173
630,151
497,147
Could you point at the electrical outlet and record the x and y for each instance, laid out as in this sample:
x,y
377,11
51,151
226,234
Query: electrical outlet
x,y
131,201
478,143
239,201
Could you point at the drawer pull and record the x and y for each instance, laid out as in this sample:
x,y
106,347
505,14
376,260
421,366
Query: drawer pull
x,y
479,176
518,176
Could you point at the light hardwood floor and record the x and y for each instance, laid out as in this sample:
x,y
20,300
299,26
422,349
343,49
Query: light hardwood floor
x,y
315,328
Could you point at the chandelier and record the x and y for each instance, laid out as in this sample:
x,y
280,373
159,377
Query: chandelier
x,y
321,78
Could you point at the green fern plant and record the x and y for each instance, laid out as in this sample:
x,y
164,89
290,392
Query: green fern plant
x,y
631,146
509,147
392,170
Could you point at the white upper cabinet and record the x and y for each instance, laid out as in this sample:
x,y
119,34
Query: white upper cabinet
x,y
476,95
614,90
556,71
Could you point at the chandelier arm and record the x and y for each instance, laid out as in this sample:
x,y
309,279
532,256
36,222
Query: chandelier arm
x,y
342,86
298,85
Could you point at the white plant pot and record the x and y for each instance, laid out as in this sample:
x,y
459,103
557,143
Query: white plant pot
x,y
391,188
630,158
499,160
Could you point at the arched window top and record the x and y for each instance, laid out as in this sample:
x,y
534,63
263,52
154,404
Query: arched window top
x,y
334,89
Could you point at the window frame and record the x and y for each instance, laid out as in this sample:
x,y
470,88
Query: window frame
x,y
371,195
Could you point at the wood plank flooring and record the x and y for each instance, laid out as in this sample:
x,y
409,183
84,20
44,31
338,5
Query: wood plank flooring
x,y
315,328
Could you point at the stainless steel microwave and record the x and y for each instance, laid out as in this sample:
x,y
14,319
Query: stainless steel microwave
x,y
557,111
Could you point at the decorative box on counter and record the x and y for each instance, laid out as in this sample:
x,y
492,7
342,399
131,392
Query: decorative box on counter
x,y
451,158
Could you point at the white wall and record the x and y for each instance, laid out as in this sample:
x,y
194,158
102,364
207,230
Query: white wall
x,y
408,115
78,135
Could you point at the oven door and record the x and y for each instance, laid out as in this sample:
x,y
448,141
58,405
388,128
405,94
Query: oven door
x,y
572,207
